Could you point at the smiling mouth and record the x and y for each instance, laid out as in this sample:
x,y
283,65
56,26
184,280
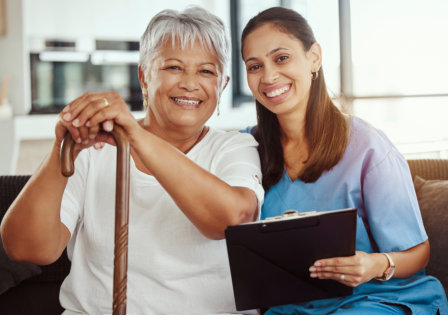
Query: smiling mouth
x,y
186,101
277,92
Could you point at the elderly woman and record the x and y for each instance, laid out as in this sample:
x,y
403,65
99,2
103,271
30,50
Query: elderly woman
x,y
188,183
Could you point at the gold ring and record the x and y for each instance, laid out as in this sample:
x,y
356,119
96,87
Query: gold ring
x,y
106,103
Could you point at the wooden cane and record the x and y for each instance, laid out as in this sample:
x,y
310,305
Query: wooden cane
x,y
121,211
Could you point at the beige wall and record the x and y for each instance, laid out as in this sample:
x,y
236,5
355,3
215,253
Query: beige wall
x,y
31,154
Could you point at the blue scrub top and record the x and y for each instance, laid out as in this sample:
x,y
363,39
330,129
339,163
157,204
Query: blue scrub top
x,y
374,178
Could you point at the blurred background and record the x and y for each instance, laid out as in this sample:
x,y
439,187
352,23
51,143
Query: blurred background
x,y
384,60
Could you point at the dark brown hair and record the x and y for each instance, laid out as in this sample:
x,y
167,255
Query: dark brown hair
x,y
325,126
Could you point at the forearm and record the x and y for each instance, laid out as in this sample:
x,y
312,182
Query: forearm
x,y
31,229
363,267
410,261
207,201
210,203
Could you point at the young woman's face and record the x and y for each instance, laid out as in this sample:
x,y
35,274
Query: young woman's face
x,y
183,86
278,69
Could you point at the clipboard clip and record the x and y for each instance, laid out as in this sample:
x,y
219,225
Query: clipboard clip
x,y
290,214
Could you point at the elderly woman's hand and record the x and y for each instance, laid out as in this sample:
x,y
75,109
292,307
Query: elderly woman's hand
x,y
351,271
85,115
61,129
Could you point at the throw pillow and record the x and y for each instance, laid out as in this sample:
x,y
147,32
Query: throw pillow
x,y
433,200
12,272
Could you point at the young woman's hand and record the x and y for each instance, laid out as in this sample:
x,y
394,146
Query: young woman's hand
x,y
351,271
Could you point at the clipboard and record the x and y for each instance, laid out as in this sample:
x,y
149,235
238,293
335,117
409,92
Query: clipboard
x,y
269,259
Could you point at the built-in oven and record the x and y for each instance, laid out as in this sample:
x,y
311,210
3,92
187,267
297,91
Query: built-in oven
x,y
63,70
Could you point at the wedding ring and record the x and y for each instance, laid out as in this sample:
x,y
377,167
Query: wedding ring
x,y
106,103
342,277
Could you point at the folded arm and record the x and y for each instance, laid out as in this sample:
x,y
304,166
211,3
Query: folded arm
x,y
209,203
31,229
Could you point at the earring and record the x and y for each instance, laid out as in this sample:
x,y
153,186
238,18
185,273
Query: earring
x,y
217,109
314,75
145,102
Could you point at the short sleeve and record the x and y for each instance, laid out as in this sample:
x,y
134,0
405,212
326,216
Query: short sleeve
x,y
391,205
239,165
74,194
248,130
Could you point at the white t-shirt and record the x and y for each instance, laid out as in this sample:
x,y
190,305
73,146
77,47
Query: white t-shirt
x,y
172,267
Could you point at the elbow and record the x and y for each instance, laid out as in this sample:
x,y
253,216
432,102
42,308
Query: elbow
x,y
214,235
15,254
13,251
240,216
217,232
22,251
8,245
244,209
427,253
28,255
241,211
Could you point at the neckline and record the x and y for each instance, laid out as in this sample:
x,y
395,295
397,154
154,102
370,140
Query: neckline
x,y
204,133
144,176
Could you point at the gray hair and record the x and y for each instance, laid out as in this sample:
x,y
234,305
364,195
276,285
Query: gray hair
x,y
187,26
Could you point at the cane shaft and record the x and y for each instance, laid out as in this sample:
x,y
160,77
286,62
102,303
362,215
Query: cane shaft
x,y
121,222
121,211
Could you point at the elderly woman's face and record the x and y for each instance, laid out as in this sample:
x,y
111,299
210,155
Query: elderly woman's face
x,y
183,86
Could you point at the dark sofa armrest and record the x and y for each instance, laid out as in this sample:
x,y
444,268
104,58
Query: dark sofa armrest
x,y
40,293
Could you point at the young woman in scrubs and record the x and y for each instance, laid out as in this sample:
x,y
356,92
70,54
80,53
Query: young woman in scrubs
x,y
317,158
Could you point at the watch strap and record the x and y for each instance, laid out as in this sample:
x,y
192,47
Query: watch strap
x,y
386,274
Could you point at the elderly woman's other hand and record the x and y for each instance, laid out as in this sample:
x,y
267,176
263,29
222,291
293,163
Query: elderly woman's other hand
x,y
85,116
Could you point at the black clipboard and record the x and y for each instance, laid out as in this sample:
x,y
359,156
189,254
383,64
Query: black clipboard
x,y
270,259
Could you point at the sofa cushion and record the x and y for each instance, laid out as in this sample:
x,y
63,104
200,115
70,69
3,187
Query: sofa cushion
x,y
12,273
433,200
32,298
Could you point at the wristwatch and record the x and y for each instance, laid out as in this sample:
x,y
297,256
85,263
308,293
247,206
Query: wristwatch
x,y
389,272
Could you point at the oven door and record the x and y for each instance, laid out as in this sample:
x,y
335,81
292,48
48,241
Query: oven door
x,y
57,79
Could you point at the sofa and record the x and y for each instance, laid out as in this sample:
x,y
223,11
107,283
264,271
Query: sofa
x,y
31,289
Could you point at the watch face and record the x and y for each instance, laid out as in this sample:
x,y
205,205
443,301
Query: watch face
x,y
389,273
